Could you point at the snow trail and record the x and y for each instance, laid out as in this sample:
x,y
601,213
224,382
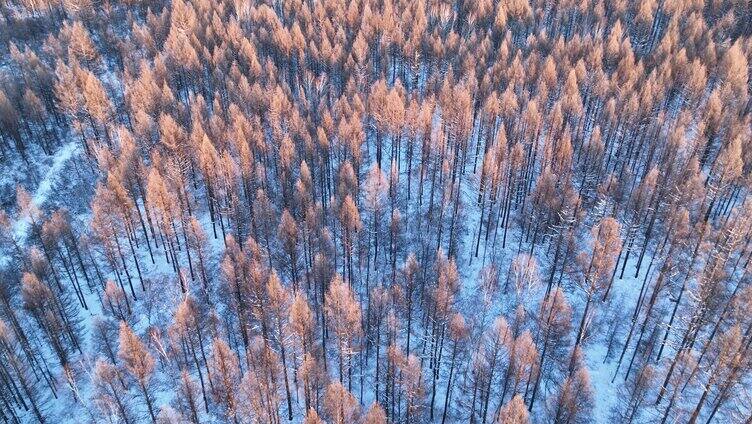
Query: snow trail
x,y
20,227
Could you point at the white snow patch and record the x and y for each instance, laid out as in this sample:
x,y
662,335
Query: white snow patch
x,y
21,227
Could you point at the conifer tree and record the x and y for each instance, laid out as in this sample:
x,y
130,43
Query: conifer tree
x,y
225,376
514,412
139,363
344,319
340,405
111,396
417,202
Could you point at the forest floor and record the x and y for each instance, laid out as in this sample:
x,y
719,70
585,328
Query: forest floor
x,y
50,180
625,293
50,168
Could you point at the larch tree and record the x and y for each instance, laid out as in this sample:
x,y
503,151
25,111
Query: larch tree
x,y
188,400
111,397
279,303
458,333
312,377
18,384
54,316
417,203
190,326
340,405
513,412
288,235
554,324
225,376
312,417
574,400
344,319
410,296
350,221
632,403
375,415
139,363
594,269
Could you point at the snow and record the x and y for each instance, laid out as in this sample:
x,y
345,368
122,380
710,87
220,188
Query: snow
x,y
601,374
627,291
20,227
602,370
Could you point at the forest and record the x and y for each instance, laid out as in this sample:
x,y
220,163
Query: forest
x,y
375,211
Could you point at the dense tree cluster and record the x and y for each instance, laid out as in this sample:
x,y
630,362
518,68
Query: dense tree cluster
x,y
377,211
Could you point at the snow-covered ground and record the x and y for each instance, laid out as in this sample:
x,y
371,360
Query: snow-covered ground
x,y
43,190
40,193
